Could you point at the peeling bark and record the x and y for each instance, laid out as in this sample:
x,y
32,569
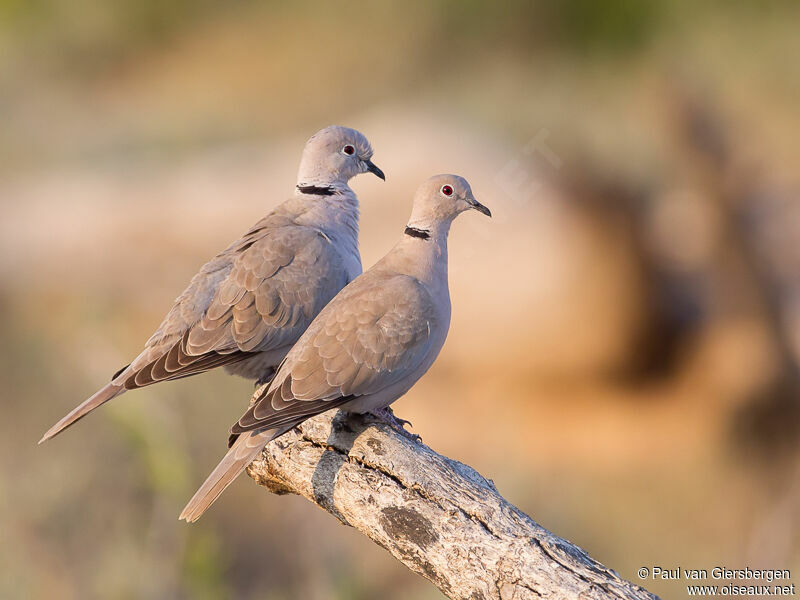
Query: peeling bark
x,y
437,516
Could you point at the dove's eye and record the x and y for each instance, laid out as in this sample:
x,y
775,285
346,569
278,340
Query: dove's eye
x,y
349,150
447,190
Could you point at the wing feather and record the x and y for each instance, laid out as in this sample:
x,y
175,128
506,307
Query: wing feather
x,y
259,294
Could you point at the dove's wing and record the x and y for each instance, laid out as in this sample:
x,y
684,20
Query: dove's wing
x,y
259,294
374,334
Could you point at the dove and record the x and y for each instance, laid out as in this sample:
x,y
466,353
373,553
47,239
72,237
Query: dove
x,y
367,347
248,305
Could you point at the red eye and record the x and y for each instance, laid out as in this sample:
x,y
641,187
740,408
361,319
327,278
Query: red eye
x,y
447,190
349,150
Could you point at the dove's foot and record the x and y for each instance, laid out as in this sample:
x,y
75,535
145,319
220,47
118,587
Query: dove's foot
x,y
386,415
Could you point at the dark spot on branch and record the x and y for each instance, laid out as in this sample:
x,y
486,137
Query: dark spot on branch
x,y
407,524
376,446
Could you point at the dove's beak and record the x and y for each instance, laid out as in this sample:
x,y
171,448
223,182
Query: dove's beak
x,y
479,207
373,168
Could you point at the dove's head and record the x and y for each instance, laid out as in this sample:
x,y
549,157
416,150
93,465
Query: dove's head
x,y
335,155
441,199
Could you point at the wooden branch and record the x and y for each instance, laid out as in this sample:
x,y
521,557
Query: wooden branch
x,y
437,516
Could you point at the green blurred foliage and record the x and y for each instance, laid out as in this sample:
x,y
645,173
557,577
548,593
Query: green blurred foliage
x,y
92,36
205,567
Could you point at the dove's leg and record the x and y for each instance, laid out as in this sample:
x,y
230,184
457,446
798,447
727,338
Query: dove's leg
x,y
386,415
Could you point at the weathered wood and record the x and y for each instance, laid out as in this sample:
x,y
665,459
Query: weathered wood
x,y
437,516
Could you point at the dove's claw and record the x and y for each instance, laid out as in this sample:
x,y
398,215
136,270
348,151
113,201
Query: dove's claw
x,y
387,416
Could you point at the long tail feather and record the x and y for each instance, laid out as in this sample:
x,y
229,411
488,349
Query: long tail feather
x,y
241,454
101,397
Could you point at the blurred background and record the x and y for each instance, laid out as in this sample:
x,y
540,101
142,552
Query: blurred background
x,y
623,356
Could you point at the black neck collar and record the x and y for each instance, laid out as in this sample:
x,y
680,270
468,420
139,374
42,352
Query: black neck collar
x,y
423,234
316,190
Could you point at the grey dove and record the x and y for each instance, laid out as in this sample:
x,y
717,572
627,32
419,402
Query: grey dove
x,y
247,306
366,348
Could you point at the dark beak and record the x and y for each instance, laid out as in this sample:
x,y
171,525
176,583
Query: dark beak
x,y
479,207
373,168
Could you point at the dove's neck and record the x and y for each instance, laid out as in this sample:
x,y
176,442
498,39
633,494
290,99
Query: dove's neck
x,y
336,215
422,253
320,187
315,175
335,208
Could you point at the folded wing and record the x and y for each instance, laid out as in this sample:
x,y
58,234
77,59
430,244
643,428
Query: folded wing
x,y
374,334
259,294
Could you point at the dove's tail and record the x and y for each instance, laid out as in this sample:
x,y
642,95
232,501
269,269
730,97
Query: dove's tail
x,y
242,453
101,397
